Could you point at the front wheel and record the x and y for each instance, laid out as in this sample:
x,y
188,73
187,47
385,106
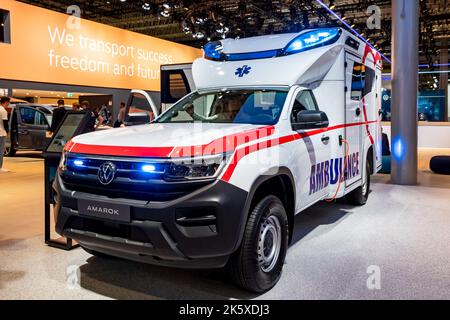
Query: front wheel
x,y
360,195
258,263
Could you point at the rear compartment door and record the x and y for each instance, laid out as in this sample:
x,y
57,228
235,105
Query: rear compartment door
x,y
176,82
354,82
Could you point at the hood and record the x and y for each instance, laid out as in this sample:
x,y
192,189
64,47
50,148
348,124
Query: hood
x,y
168,140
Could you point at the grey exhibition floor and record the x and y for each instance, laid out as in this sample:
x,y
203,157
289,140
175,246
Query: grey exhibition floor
x,y
403,231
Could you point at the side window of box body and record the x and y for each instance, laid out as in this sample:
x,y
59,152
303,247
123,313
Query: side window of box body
x,y
363,81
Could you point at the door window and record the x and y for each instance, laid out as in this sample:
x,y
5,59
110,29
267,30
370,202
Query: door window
x,y
358,74
363,81
140,110
32,117
39,119
174,86
369,81
305,101
177,87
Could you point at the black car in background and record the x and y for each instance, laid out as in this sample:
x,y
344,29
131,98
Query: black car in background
x,y
28,126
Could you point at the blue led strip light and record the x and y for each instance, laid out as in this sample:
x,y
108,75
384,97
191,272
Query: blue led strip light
x,y
434,65
351,29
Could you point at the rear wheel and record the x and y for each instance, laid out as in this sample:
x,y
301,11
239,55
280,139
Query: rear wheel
x,y
360,195
258,263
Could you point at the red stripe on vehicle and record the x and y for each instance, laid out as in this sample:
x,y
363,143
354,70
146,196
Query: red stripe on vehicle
x,y
376,56
240,153
157,152
224,144
217,146
367,124
68,145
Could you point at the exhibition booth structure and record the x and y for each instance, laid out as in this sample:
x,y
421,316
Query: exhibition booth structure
x,y
72,57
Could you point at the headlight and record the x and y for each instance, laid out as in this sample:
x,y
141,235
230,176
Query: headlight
x,y
195,168
63,161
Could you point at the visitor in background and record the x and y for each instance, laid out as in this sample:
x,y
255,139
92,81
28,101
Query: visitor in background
x,y
75,106
85,105
4,128
106,115
58,116
95,120
121,116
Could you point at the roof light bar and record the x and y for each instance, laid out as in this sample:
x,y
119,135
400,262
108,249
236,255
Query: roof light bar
x,y
312,39
303,42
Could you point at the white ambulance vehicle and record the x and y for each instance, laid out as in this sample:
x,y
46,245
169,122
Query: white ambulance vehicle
x,y
276,124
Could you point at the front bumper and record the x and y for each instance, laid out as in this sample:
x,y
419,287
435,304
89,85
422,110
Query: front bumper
x,y
198,230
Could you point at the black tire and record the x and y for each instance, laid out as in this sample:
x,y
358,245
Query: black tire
x,y
247,266
359,196
9,151
98,254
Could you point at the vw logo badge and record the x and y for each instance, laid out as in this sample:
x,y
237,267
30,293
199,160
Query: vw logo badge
x,y
107,173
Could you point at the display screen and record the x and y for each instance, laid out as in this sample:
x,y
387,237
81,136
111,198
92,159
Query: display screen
x,y
430,105
65,132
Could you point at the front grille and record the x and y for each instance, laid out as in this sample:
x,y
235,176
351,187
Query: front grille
x,y
130,181
111,229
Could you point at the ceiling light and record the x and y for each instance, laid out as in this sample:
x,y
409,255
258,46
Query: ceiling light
x,y
198,35
146,6
164,12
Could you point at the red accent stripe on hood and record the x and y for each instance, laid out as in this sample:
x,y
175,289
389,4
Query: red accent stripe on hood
x,y
217,146
122,151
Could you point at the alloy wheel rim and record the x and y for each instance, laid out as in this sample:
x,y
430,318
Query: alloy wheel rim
x,y
269,243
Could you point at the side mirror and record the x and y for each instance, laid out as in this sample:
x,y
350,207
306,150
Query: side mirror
x,y
310,119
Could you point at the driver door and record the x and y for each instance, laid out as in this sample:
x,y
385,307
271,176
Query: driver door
x,y
311,155
32,127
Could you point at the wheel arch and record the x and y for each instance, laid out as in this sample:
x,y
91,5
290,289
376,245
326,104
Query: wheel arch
x,y
370,157
284,186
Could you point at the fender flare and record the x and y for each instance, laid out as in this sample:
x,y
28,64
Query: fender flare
x,y
367,145
251,193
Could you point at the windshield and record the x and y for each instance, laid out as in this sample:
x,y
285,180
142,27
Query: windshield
x,y
252,106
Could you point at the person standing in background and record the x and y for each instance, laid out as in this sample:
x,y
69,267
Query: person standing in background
x,y
4,128
58,116
121,116
75,106
95,119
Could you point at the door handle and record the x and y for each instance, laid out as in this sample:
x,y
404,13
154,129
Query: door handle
x,y
325,139
358,112
23,132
